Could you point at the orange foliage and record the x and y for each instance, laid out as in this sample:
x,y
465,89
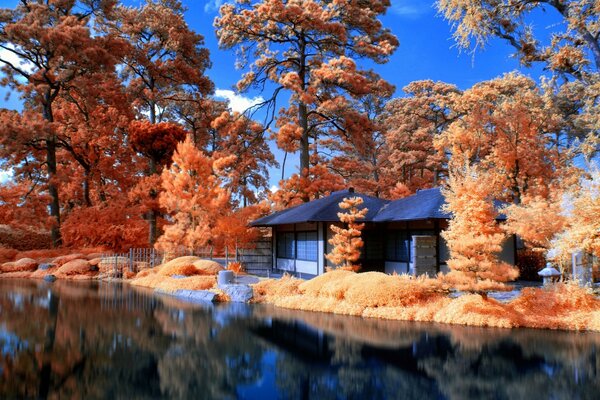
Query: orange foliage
x,y
236,267
23,264
189,265
376,295
347,241
156,141
323,80
74,267
473,235
194,198
309,185
411,124
166,283
115,226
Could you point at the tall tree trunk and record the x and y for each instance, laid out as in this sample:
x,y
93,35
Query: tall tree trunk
x,y
86,188
303,119
51,168
152,214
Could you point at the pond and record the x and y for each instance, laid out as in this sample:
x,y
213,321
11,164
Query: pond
x,y
108,340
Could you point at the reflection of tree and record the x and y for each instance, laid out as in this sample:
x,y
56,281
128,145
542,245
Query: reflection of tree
x,y
87,346
111,342
501,370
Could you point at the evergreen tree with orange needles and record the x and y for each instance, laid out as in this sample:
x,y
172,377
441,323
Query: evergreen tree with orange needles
x,y
347,241
474,237
194,198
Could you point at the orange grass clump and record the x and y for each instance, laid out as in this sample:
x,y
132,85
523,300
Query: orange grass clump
x,y
560,306
267,290
376,295
166,283
74,267
189,266
208,267
24,264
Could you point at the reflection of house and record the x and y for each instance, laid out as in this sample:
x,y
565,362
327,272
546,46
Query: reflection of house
x,y
401,235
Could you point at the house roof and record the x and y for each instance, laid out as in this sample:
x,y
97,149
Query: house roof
x,y
424,204
324,209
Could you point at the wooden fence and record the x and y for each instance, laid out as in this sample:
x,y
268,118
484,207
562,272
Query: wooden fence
x,y
257,259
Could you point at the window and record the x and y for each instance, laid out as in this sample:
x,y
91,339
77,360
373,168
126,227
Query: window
x,y
285,245
397,246
373,248
307,246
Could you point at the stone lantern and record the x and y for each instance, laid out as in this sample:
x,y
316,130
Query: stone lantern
x,y
549,274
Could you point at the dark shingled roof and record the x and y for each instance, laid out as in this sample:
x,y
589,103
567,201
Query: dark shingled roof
x,y
324,209
424,204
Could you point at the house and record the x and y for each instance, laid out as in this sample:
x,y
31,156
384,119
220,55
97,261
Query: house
x,y
400,236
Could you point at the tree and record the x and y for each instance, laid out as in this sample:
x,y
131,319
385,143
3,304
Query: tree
x,y
582,226
347,241
507,127
164,66
309,49
473,236
319,182
536,220
574,47
157,142
572,52
359,153
411,125
45,46
244,157
92,121
194,199
166,61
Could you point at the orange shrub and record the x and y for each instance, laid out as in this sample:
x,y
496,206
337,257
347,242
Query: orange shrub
x,y
74,267
267,290
236,267
208,267
373,294
23,264
179,266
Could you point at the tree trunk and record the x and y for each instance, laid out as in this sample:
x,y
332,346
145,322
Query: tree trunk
x,y
86,189
303,119
152,214
51,168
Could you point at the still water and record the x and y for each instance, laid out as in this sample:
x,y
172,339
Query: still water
x,y
111,341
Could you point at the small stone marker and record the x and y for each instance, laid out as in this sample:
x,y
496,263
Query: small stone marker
x,y
225,277
549,274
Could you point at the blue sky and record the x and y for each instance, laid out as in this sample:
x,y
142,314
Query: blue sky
x,y
427,51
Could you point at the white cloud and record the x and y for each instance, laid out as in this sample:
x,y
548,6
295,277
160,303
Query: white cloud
x,y
410,8
5,176
13,59
213,5
238,102
274,188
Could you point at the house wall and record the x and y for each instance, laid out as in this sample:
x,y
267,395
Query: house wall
x,y
296,265
324,233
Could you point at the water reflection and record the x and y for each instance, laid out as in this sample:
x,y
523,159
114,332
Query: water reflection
x,y
99,340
